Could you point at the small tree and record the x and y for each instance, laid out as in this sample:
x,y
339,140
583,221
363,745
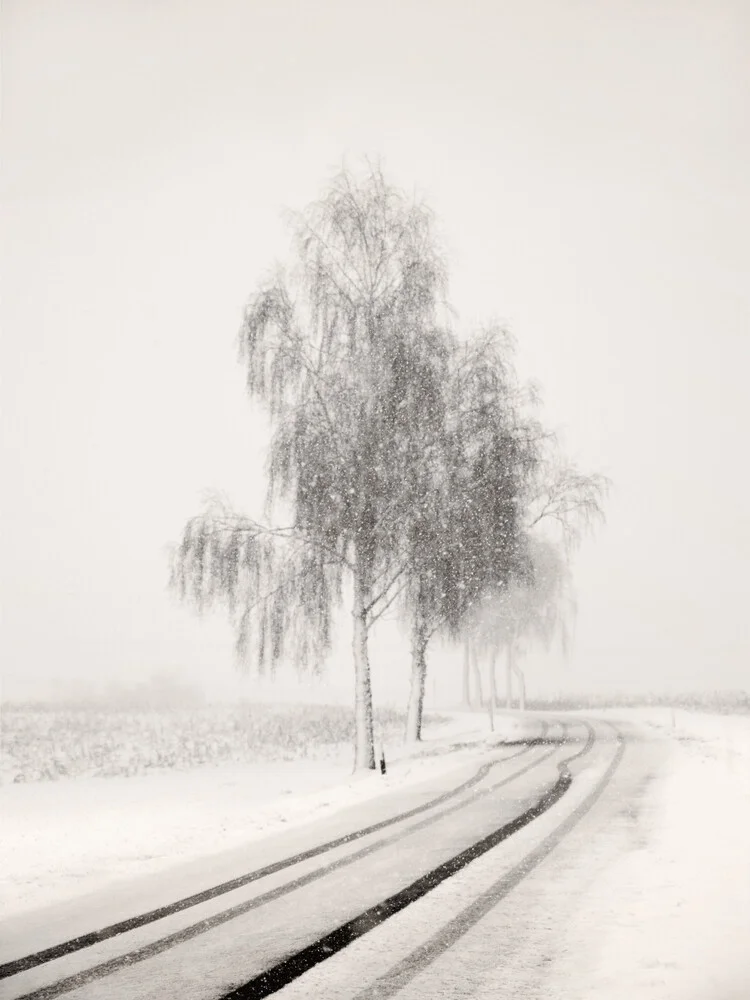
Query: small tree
x,y
566,505
465,534
536,612
346,351
562,505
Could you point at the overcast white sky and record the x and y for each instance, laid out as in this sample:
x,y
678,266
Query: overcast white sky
x,y
590,165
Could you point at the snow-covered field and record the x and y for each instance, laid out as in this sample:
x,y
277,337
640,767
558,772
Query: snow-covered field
x,y
106,740
671,917
667,917
61,839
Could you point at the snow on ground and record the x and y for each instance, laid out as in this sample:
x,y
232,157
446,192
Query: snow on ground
x,y
670,920
66,838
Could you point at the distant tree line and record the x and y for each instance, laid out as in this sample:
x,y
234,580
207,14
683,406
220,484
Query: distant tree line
x,y
407,469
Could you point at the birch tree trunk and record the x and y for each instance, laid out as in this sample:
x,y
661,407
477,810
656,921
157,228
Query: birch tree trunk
x,y
416,693
493,679
493,689
419,640
477,676
521,687
364,742
509,676
466,689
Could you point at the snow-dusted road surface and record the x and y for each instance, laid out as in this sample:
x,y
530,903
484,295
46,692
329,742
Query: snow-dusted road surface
x,y
71,838
635,882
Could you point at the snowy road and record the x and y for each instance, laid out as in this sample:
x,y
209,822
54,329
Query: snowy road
x,y
515,921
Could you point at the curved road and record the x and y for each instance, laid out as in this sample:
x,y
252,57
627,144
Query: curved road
x,y
407,896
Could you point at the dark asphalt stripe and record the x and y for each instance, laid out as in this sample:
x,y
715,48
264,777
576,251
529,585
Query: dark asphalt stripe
x,y
113,965
31,961
285,972
397,978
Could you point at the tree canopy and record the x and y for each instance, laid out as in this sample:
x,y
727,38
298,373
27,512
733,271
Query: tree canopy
x,y
403,468
346,350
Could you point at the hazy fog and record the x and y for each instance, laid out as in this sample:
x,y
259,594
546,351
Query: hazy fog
x,y
590,165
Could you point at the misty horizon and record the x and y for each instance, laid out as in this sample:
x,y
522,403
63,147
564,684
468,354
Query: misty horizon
x,y
590,183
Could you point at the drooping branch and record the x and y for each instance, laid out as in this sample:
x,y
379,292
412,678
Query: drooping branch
x,y
277,586
347,349
569,498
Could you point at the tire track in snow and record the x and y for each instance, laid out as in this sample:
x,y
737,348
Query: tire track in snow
x,y
157,947
291,968
402,974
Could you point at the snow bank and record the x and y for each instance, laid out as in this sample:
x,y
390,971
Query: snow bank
x,y
671,919
63,839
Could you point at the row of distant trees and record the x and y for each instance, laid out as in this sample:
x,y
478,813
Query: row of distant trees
x,y
407,467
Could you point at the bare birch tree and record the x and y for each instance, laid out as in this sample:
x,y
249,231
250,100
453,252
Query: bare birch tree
x,y
535,612
562,506
347,351
465,533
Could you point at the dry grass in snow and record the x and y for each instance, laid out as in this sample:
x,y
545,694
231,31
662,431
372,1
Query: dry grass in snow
x,y
60,839
50,743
